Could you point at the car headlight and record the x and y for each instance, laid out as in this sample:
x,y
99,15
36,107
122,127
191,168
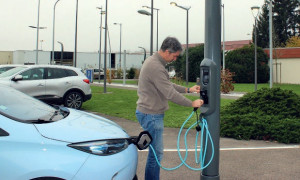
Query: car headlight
x,y
102,147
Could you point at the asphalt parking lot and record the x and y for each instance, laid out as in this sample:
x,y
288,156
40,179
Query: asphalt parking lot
x,y
239,159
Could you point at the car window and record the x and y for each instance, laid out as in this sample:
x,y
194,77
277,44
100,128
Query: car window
x,y
55,73
20,106
3,69
71,72
12,71
33,74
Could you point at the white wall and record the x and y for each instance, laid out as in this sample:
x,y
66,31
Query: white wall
x,y
84,60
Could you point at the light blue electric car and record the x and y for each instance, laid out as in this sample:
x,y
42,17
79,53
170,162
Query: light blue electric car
x,y
38,141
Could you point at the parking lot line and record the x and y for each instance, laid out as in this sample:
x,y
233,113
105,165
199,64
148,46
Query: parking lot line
x,y
239,149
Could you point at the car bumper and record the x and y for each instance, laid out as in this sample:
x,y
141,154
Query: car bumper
x,y
120,166
87,97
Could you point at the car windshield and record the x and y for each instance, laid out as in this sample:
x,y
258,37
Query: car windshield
x,y
3,69
12,71
21,107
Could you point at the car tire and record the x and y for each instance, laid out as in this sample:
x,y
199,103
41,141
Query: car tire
x,y
135,177
73,100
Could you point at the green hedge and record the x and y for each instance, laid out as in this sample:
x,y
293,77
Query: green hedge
x,y
267,114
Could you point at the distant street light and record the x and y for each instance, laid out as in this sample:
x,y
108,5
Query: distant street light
x,y
52,59
37,35
100,41
120,42
144,52
76,23
255,12
37,43
187,40
151,27
144,12
223,40
41,44
62,52
156,24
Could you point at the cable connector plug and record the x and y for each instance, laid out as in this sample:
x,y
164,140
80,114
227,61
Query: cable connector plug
x,y
198,128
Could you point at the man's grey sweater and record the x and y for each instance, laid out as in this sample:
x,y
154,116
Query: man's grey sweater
x,y
155,88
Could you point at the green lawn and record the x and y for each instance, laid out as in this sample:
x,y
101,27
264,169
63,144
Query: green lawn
x,y
122,103
237,86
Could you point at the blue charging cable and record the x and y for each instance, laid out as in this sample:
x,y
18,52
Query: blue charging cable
x,y
202,154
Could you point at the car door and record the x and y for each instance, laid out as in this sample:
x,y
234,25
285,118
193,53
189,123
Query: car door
x,y
32,82
57,82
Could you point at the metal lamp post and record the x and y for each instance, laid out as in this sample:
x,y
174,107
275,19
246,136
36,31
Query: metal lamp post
x,y
255,12
223,40
271,41
76,23
156,24
144,52
120,42
101,13
37,35
62,52
151,27
187,39
52,59
151,33
37,42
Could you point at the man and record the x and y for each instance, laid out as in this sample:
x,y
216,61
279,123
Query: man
x,y
154,91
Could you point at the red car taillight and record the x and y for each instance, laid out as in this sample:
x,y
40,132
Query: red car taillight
x,y
86,81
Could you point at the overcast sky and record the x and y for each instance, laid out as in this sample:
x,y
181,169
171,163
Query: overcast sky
x,y
17,15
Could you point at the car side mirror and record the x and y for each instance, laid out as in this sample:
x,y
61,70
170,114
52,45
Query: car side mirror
x,y
17,77
143,140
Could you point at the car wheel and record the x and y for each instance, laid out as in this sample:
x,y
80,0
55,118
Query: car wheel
x,y
135,177
73,100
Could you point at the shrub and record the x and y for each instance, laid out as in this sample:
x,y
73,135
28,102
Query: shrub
x,y
131,73
241,62
226,81
267,114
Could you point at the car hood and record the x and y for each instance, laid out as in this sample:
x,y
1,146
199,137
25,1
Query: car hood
x,y
80,126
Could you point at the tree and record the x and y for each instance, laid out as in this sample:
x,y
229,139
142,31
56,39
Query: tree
x,y
196,55
293,42
286,21
241,62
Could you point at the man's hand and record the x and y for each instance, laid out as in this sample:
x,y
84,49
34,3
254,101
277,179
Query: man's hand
x,y
195,88
197,103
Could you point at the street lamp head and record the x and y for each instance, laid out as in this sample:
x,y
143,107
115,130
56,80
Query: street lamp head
x,y
255,11
182,7
144,12
173,3
38,28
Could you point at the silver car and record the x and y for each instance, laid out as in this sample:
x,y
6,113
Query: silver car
x,y
50,83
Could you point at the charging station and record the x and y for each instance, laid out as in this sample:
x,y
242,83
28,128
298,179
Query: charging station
x,y
210,79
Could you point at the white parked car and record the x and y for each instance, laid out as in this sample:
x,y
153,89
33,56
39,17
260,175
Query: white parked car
x,y
41,142
50,83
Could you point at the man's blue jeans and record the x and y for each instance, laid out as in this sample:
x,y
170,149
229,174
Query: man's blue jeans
x,y
153,123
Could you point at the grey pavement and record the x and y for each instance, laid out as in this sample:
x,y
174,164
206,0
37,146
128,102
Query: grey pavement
x,y
239,159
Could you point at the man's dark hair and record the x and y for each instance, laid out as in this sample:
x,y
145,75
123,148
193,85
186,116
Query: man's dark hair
x,y
171,44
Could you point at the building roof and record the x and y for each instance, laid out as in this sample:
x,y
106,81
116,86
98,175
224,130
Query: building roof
x,y
283,53
229,45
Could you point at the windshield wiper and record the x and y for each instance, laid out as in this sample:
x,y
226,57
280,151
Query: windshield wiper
x,y
54,114
39,121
